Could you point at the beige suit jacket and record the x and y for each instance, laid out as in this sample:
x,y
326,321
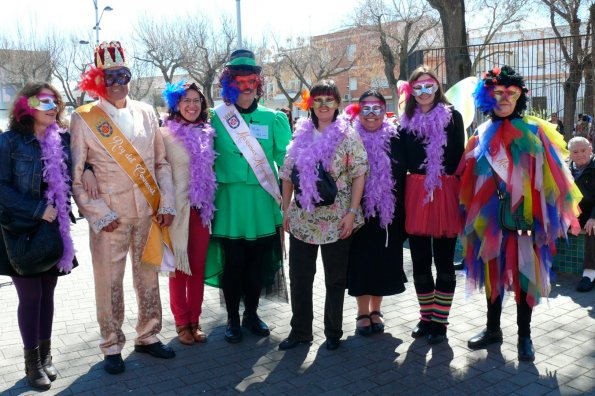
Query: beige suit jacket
x,y
119,196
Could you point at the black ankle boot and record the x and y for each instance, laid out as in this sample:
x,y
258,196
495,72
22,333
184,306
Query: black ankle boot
x,y
36,377
45,354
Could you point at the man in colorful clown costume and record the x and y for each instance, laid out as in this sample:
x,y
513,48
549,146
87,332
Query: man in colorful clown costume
x,y
518,197
119,139
250,140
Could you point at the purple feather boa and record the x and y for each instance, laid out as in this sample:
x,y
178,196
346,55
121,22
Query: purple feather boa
x,y
378,190
198,142
307,151
55,174
430,128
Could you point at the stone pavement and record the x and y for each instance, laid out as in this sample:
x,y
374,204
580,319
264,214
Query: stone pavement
x,y
389,364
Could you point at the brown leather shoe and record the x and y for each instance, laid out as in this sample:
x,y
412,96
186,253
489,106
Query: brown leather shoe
x,y
197,333
185,335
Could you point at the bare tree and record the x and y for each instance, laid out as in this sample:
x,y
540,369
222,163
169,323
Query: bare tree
x,y
397,28
159,43
496,16
70,62
282,73
26,58
452,15
143,82
575,51
206,48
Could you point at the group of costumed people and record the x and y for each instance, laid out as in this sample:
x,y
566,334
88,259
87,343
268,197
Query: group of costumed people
x,y
199,198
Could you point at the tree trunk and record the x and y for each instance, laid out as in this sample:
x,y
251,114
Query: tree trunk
x,y
389,67
452,16
591,82
571,86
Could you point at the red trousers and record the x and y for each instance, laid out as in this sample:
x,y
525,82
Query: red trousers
x,y
186,292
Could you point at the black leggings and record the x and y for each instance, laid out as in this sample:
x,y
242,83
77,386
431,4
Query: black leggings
x,y
523,315
36,308
244,272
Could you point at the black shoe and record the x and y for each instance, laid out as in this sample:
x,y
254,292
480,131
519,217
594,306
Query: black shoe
x,y
377,327
332,343
585,284
421,330
252,322
363,330
290,343
459,266
156,349
114,364
437,333
233,332
485,338
526,351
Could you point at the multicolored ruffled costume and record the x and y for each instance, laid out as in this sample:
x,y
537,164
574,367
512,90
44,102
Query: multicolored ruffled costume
x,y
533,172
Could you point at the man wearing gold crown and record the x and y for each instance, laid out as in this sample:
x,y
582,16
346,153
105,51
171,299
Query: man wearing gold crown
x,y
119,139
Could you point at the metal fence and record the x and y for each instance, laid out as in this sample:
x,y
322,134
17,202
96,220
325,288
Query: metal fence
x,y
540,61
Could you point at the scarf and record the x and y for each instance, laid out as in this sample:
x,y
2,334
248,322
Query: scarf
x,y
378,190
430,129
198,142
55,175
307,152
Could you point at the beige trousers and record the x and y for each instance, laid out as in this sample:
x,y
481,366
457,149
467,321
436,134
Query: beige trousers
x,y
109,251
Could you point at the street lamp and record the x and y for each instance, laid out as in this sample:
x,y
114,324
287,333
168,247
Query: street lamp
x,y
98,19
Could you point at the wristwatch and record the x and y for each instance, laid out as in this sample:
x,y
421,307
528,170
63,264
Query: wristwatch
x,y
352,210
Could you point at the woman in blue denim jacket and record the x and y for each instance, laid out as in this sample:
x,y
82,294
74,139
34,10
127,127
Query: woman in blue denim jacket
x,y
35,185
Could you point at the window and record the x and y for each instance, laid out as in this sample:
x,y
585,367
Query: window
x,y
379,82
352,83
351,48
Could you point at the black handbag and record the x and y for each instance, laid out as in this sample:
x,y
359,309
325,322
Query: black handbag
x,y
325,185
34,250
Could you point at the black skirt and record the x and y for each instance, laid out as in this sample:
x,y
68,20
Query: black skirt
x,y
375,269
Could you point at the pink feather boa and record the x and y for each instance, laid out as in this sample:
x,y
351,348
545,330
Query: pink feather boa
x,y
430,129
198,142
55,174
307,152
378,190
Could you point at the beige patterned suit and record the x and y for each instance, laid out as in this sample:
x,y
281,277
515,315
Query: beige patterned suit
x,y
120,198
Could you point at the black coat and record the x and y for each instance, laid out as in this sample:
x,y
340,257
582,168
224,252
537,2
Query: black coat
x,y
586,183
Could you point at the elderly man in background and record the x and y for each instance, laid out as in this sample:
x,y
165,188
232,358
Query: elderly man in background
x,y
582,166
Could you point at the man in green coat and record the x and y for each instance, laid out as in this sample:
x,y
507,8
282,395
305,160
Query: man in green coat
x,y
251,142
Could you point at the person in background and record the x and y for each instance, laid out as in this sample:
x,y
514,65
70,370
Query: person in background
x,y
556,121
35,185
513,164
582,167
287,112
376,253
432,140
324,147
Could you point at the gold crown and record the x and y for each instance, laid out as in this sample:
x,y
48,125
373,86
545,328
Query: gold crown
x,y
109,55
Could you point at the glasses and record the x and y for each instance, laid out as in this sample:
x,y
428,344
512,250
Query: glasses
x,y
328,101
372,107
247,82
511,93
188,101
43,102
424,87
120,76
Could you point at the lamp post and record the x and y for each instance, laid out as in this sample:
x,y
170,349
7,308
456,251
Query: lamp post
x,y
239,23
98,19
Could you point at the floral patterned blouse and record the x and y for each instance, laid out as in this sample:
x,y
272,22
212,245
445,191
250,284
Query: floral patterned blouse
x,y
321,226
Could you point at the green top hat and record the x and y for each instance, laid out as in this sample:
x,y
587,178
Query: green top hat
x,y
243,59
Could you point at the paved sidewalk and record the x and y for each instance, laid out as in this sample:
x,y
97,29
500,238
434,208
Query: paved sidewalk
x,y
388,364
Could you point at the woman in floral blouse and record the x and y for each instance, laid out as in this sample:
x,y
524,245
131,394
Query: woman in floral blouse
x,y
322,144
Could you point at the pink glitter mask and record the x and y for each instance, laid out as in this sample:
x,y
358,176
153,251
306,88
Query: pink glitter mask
x,y
428,86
